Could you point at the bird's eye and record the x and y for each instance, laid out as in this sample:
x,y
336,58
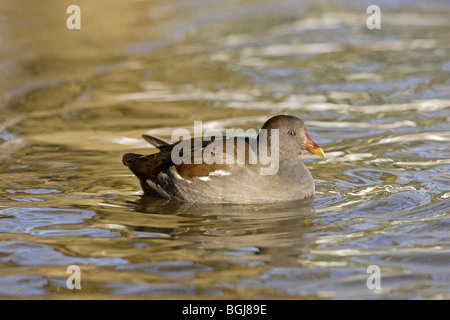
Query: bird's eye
x,y
291,133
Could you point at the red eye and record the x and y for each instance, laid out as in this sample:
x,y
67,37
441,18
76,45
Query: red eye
x,y
291,133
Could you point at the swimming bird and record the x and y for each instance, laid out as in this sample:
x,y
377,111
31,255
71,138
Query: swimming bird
x,y
224,169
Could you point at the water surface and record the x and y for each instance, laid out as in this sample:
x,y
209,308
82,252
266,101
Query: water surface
x,y
73,101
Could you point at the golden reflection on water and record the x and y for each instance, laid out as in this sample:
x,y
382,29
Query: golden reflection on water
x,y
73,101
43,47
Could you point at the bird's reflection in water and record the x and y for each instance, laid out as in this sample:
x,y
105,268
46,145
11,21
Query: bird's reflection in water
x,y
273,234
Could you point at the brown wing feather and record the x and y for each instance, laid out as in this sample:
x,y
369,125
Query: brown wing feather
x,y
190,170
149,166
156,141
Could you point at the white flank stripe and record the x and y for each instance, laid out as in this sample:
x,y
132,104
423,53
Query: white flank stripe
x,y
220,173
